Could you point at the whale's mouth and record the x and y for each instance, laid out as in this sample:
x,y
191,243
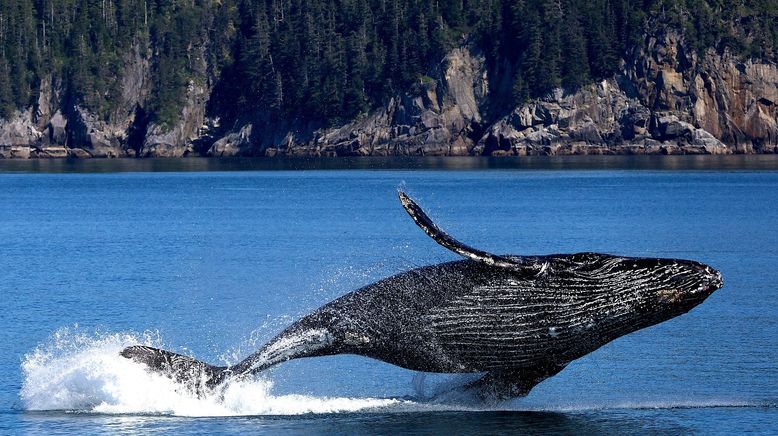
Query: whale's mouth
x,y
711,281
717,281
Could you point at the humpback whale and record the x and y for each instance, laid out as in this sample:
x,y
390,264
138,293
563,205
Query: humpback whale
x,y
518,319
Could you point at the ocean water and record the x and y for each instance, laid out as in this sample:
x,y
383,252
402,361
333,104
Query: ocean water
x,y
199,258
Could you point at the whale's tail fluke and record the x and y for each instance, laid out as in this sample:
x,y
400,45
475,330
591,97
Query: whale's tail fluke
x,y
293,343
187,370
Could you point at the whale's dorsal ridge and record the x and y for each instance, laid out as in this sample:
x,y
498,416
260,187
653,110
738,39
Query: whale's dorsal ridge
x,y
441,237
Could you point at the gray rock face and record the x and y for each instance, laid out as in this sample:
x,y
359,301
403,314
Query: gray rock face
x,y
57,129
665,100
734,101
19,131
233,144
436,117
176,141
49,132
100,138
54,129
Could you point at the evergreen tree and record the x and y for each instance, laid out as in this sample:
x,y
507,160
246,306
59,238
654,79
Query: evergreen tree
x,y
257,65
575,62
7,104
530,69
551,61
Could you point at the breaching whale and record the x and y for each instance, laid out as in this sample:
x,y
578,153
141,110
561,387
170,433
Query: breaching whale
x,y
519,319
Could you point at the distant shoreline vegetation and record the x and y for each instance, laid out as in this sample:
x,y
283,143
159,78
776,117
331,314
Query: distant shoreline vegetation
x,y
124,78
332,60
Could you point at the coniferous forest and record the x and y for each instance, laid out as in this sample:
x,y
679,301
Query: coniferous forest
x,y
332,60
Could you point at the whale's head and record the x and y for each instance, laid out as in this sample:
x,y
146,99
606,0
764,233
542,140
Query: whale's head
x,y
683,284
631,293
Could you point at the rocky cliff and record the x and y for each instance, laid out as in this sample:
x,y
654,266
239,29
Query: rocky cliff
x,y
437,117
56,127
666,99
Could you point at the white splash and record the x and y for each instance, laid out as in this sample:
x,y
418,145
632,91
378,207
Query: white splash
x,y
77,372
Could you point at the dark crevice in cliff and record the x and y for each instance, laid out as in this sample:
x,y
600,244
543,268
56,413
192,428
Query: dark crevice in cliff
x,y
477,131
136,134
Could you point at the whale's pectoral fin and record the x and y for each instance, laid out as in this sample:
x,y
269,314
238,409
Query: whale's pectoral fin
x,y
433,231
506,384
183,369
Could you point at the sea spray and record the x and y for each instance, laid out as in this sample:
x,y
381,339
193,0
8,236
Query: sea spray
x,y
79,372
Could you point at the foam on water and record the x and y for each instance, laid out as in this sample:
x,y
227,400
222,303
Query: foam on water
x,y
77,372
81,372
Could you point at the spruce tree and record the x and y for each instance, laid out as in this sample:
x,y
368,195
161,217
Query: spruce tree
x,y
7,104
575,62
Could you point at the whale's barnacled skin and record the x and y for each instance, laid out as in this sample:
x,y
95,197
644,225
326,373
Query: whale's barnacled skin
x,y
521,319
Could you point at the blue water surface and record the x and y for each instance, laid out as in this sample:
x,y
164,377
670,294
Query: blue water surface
x,y
214,263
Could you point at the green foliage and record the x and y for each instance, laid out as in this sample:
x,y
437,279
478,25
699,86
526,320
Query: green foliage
x,y
426,80
176,31
19,55
7,101
331,60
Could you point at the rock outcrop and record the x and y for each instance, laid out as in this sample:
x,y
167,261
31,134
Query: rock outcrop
x,y
599,119
56,128
665,100
17,134
177,139
96,137
435,117
735,101
233,144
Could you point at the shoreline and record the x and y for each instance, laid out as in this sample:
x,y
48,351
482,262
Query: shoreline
x,y
733,162
15,152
